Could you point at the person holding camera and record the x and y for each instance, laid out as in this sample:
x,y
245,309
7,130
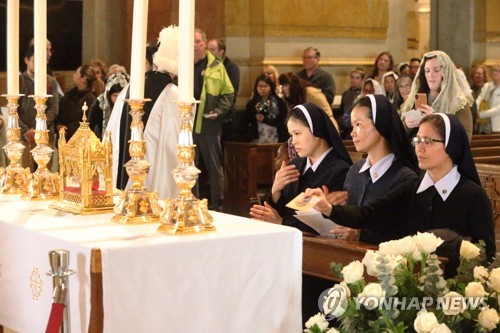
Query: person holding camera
x,y
266,113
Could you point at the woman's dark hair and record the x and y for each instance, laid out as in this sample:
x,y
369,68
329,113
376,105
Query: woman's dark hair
x,y
424,87
297,114
266,79
391,63
150,51
256,97
366,103
87,72
30,51
398,99
437,122
113,90
297,88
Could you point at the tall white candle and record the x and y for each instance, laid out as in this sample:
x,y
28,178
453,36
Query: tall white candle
x,y
138,52
186,50
40,9
13,47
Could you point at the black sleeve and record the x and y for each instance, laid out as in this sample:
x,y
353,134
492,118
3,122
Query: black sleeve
x,y
388,210
96,117
481,222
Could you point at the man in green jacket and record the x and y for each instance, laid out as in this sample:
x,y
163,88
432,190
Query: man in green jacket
x,y
213,88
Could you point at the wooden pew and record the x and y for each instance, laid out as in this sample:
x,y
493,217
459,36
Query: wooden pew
x,y
485,151
490,180
485,143
247,167
485,136
320,251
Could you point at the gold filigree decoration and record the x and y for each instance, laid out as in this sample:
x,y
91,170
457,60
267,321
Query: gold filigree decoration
x,y
36,284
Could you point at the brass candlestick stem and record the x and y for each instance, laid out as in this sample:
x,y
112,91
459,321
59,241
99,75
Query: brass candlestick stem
x,y
14,179
44,184
137,205
186,214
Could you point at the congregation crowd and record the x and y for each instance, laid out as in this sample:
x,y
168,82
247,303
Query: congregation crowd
x,y
396,190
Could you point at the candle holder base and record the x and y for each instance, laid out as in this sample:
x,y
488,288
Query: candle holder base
x,y
43,186
14,179
183,216
186,214
137,206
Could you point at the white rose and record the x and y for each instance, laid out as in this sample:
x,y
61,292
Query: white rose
x,y
371,295
417,256
475,289
468,250
425,322
481,273
488,318
494,279
406,245
353,272
370,261
390,247
335,302
441,329
394,261
427,242
316,319
453,303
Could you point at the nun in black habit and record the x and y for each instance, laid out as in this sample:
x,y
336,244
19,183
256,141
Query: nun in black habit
x,y
323,161
447,200
391,161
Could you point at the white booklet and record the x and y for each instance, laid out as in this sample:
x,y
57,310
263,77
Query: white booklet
x,y
315,220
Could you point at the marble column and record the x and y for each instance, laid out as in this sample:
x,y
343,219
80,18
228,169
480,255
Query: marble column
x,y
458,30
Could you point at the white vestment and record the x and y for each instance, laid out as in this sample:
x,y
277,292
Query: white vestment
x,y
161,134
114,128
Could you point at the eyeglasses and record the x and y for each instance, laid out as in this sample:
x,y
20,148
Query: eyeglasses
x,y
405,86
427,142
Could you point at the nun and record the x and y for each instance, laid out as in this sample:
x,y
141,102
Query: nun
x,y
448,197
322,161
391,161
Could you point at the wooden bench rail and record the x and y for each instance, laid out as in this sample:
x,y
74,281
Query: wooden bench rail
x,y
247,166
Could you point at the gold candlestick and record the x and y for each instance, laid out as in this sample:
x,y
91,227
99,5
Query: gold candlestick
x,y
186,214
137,205
44,184
14,179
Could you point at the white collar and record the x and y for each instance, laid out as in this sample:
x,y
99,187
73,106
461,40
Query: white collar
x,y
380,168
318,162
444,186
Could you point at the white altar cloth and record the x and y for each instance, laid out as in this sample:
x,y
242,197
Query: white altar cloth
x,y
246,277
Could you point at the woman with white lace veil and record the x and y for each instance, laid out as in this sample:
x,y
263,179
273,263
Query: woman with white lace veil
x,y
438,78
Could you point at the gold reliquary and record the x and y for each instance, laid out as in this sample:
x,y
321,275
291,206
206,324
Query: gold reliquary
x,y
85,169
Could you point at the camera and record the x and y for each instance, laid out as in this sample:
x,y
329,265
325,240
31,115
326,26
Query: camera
x,y
263,108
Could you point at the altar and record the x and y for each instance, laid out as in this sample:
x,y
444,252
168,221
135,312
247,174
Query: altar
x,y
245,277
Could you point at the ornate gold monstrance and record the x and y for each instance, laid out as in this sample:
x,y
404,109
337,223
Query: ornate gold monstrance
x,y
85,171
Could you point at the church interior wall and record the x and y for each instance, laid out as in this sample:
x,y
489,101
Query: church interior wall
x,y
256,33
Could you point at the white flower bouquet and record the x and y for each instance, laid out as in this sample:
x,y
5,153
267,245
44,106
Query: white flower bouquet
x,y
407,292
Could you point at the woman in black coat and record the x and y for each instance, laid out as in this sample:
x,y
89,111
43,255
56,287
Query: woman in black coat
x,y
266,113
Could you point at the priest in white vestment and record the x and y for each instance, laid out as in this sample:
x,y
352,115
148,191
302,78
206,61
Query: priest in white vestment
x,y
161,122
